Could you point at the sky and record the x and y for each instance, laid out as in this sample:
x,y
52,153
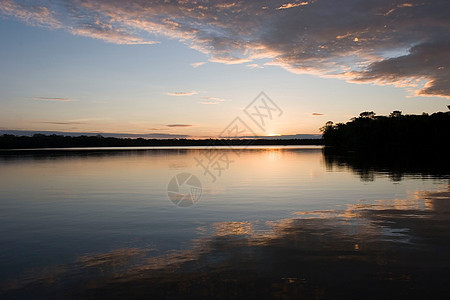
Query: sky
x,y
188,68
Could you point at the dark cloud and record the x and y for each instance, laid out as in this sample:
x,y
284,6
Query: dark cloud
x,y
104,134
64,123
179,125
385,42
430,62
154,128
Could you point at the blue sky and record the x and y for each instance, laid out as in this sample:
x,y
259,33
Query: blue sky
x,y
142,67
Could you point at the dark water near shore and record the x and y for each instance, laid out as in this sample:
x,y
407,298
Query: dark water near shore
x,y
277,223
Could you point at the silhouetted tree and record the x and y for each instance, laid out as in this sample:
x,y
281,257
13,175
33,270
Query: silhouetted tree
x,y
368,131
395,114
367,114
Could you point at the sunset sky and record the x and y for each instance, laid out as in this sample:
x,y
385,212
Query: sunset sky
x,y
189,68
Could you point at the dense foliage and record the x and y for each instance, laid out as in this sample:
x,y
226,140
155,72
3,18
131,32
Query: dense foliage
x,y
369,131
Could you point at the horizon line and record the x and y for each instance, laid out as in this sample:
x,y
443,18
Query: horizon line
x,y
153,135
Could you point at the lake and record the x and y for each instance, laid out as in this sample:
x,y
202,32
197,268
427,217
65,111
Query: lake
x,y
224,223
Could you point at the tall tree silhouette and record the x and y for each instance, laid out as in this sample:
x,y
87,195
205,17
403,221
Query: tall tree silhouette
x,y
369,131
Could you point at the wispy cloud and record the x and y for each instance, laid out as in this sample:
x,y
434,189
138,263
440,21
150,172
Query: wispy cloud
x,y
111,35
198,64
104,134
291,5
254,66
158,128
182,93
214,99
211,100
354,40
64,123
52,99
229,60
317,114
179,125
31,14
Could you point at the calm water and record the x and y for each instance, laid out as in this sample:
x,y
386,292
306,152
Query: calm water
x,y
279,222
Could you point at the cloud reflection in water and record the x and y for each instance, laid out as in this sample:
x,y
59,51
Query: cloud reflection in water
x,y
384,248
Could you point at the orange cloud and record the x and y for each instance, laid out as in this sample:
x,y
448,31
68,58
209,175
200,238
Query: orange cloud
x,y
291,5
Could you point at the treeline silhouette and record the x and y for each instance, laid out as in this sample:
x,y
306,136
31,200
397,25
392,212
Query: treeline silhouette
x,y
396,131
8,141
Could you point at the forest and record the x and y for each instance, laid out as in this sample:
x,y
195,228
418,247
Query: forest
x,y
393,132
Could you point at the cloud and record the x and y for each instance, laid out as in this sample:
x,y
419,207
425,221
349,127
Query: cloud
x,y
214,99
291,5
316,114
404,43
52,99
211,100
158,128
181,93
110,35
64,123
255,66
229,60
31,14
427,61
179,125
104,134
198,64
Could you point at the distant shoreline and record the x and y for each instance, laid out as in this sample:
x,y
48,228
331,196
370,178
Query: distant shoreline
x,y
49,142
